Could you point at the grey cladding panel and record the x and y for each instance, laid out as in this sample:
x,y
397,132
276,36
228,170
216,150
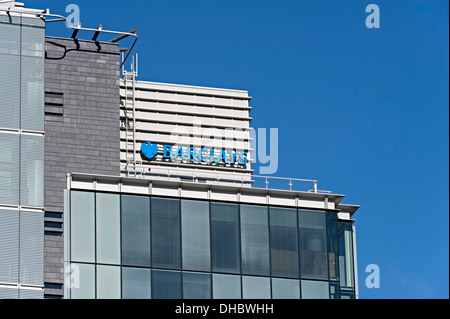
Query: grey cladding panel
x,y
82,131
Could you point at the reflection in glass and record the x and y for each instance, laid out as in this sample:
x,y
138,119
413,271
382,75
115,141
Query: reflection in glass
x,y
166,241
255,240
195,234
226,286
225,238
166,284
135,230
82,226
315,289
196,285
313,245
108,228
284,242
136,283
285,288
255,287
83,286
108,282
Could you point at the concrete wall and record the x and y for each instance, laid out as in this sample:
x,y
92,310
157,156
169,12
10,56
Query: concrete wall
x,y
81,128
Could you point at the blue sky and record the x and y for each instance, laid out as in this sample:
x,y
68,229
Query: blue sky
x,y
363,111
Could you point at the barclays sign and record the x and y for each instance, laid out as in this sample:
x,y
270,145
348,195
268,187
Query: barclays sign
x,y
194,154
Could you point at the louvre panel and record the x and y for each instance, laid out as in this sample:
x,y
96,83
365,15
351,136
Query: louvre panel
x,y
9,89
9,293
32,93
31,248
9,169
9,246
32,171
31,294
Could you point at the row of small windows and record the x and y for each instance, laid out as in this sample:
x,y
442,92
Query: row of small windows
x,y
113,282
143,231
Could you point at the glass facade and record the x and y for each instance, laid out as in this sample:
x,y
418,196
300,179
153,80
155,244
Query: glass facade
x,y
141,247
22,158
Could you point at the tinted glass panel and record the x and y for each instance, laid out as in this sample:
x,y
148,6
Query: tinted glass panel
x,y
9,246
32,93
313,244
346,255
136,283
196,286
82,226
255,287
166,245
225,237
166,284
285,288
32,171
108,228
284,242
255,240
333,252
9,169
108,282
315,289
31,244
226,286
84,283
135,230
195,234
9,89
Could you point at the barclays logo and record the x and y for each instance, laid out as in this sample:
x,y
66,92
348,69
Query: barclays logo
x,y
149,150
195,155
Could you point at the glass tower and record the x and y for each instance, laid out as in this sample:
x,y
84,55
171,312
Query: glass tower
x,y
21,156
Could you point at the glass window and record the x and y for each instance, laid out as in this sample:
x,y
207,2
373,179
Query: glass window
x,y
255,287
33,37
135,230
166,284
166,245
225,237
285,288
108,282
9,169
346,255
136,283
255,240
284,242
226,286
32,93
31,294
83,286
9,246
334,291
32,171
82,226
315,289
9,293
31,243
195,235
9,35
108,228
9,89
313,246
196,285
332,238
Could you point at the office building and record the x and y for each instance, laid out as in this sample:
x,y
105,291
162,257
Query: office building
x,y
112,187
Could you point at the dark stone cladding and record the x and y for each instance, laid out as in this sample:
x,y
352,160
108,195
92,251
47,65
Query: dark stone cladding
x,y
82,132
